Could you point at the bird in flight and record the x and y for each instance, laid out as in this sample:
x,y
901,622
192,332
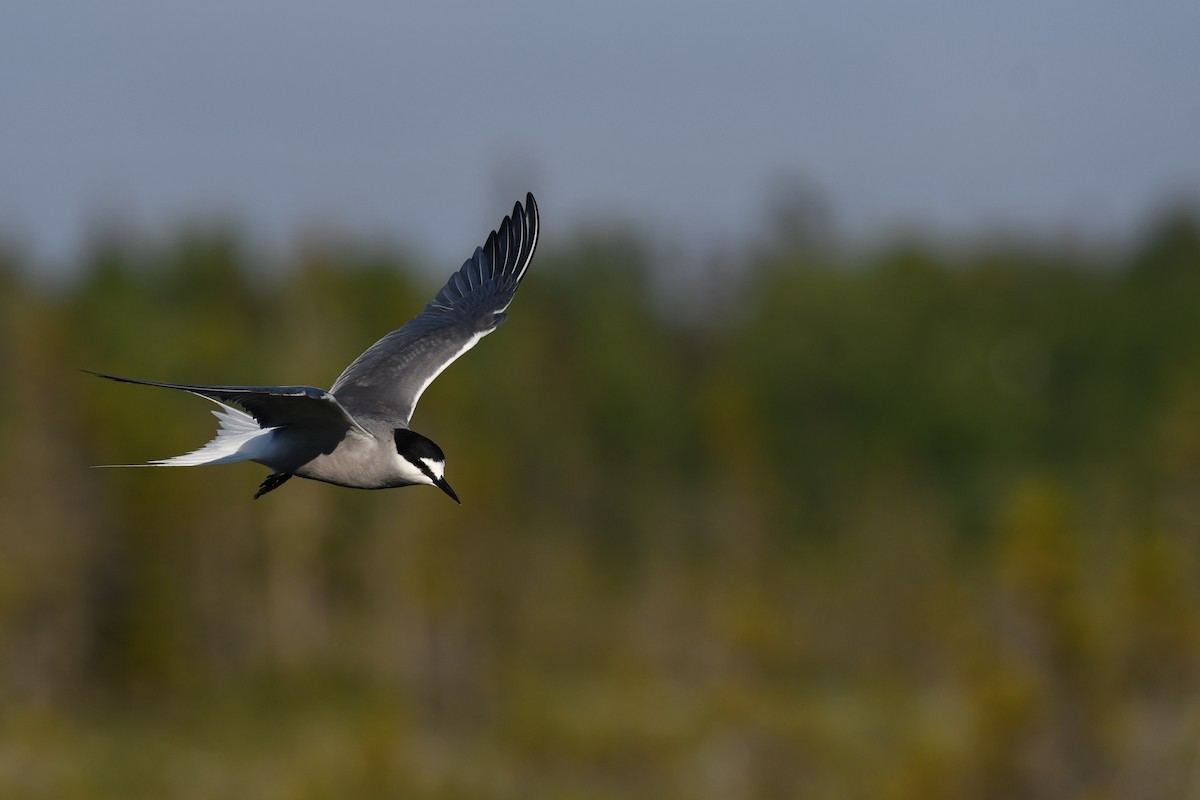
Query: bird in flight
x,y
357,433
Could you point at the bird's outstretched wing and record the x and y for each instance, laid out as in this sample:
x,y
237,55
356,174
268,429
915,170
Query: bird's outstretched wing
x,y
271,406
387,380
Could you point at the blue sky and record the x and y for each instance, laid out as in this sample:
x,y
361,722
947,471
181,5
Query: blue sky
x,y
423,123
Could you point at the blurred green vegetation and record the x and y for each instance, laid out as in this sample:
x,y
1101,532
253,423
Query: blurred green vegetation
x,y
915,521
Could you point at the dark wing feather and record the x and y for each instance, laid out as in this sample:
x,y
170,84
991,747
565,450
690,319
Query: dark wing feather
x,y
271,406
388,379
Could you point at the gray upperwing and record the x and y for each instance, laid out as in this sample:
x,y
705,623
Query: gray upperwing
x,y
271,406
388,379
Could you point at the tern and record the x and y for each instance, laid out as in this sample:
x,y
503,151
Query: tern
x,y
357,433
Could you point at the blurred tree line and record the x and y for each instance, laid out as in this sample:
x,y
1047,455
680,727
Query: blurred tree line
x,y
905,521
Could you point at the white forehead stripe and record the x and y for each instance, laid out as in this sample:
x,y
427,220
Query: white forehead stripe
x,y
438,468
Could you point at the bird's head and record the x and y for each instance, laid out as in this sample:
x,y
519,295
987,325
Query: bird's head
x,y
426,458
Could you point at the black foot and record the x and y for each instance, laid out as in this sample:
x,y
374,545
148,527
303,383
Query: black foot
x,y
273,481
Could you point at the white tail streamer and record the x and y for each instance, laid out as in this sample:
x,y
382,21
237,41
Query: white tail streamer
x,y
240,438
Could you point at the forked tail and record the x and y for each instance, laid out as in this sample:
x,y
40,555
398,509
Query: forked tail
x,y
239,438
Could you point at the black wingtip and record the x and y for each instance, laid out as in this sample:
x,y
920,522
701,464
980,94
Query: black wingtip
x,y
109,377
530,211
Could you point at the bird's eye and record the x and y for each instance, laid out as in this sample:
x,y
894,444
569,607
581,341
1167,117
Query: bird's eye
x,y
437,469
